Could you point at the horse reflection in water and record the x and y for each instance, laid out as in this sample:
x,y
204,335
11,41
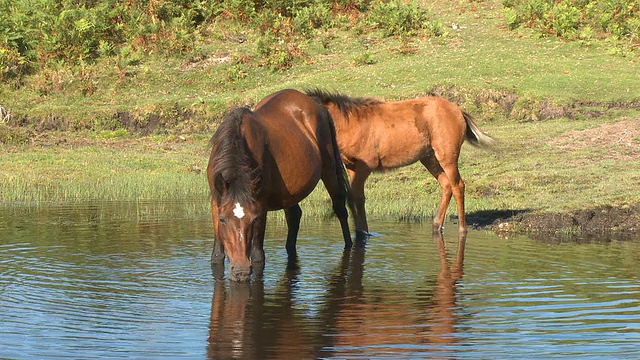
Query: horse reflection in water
x,y
352,320
368,327
245,326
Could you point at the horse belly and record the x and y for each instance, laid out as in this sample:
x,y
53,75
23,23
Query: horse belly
x,y
400,146
298,171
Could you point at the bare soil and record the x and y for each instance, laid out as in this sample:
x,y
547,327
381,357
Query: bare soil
x,y
619,141
602,222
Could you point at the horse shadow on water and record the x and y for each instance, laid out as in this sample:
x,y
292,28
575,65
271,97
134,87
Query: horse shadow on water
x,y
247,323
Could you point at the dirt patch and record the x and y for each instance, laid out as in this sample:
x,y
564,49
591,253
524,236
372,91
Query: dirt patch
x,y
619,141
502,103
605,222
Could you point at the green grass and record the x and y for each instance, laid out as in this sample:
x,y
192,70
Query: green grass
x,y
97,173
482,55
475,66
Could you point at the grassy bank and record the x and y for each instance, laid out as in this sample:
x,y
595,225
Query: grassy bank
x,y
550,166
566,115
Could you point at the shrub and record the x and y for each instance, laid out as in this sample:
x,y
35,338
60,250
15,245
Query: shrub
x,y
37,35
614,20
397,18
564,19
35,32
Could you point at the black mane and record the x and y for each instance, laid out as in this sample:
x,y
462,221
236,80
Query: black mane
x,y
235,172
344,103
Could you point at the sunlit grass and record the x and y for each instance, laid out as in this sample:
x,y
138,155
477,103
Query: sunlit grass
x,y
526,171
93,173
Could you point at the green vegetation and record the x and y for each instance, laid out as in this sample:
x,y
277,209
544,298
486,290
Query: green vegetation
x,y
617,21
116,101
54,34
134,172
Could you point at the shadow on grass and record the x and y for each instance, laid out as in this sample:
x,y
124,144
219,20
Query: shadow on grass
x,y
486,218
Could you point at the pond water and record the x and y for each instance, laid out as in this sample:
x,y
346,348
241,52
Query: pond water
x,y
129,281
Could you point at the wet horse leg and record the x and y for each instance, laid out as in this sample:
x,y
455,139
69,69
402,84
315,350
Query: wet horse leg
x,y
217,255
338,196
257,246
445,170
293,215
358,177
217,259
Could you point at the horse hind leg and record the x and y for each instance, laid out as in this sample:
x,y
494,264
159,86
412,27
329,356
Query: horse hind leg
x,y
338,196
448,176
358,177
293,215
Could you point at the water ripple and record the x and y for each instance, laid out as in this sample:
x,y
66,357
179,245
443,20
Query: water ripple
x,y
108,287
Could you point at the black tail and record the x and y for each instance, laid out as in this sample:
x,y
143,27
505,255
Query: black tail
x,y
341,172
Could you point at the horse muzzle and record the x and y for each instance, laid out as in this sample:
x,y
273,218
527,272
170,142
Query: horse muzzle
x,y
239,273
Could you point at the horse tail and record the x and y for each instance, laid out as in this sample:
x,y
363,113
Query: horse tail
x,y
341,171
474,135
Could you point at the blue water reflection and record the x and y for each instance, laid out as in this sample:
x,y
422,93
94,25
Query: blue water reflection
x,y
101,281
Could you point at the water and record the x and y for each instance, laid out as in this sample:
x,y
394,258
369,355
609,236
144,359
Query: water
x,y
133,281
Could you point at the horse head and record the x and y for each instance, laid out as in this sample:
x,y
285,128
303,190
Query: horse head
x,y
237,217
235,180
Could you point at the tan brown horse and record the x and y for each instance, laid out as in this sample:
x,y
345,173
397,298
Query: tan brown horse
x,y
374,135
270,159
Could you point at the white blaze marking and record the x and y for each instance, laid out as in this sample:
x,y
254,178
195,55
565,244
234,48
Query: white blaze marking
x,y
238,211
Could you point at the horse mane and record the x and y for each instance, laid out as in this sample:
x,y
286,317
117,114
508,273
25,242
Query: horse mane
x,y
233,165
346,104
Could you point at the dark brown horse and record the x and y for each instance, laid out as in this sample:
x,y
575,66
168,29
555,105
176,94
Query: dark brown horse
x,y
374,135
270,159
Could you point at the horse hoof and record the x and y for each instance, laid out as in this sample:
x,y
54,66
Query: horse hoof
x,y
362,237
218,271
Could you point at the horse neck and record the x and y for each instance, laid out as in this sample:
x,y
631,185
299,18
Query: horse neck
x,y
254,140
256,153
236,164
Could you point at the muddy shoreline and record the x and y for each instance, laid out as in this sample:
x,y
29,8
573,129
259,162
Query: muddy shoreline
x,y
603,222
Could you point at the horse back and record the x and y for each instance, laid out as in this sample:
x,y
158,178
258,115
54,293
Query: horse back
x,y
288,132
393,134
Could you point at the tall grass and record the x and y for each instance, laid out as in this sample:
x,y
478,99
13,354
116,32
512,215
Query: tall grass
x,y
94,173
130,187
527,171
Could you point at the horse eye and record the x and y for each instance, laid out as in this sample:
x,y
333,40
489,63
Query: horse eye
x,y
222,220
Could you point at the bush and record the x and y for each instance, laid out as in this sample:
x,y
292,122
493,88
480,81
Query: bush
x,y
37,35
564,19
76,32
397,18
578,19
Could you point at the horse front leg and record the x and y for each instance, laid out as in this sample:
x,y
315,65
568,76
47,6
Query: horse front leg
x,y
217,254
217,259
257,246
